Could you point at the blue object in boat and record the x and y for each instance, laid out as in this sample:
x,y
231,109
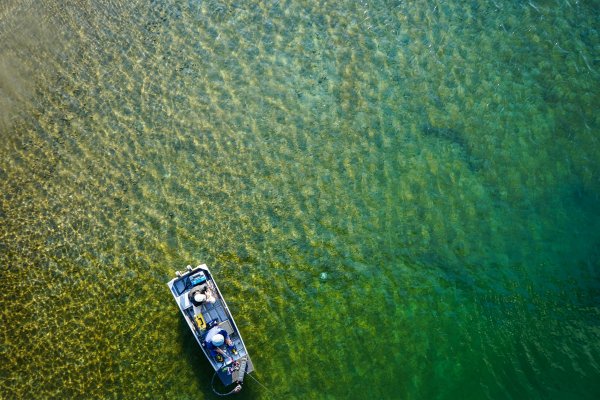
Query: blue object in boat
x,y
198,278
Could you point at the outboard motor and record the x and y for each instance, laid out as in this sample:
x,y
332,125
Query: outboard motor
x,y
242,373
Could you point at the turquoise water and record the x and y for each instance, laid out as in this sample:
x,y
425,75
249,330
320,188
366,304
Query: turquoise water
x,y
438,162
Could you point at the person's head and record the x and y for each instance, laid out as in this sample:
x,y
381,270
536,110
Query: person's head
x,y
218,340
199,297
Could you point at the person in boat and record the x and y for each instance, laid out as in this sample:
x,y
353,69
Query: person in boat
x,y
217,337
201,294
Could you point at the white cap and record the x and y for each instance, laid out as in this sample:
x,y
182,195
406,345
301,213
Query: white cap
x,y
199,297
217,340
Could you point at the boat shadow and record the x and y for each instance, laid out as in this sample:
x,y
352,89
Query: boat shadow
x,y
203,370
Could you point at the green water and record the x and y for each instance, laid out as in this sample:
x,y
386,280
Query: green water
x,y
438,161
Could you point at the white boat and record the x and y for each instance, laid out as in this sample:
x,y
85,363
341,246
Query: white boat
x,y
204,308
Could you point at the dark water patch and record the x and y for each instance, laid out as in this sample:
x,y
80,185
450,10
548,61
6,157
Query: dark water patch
x,y
455,138
448,134
585,198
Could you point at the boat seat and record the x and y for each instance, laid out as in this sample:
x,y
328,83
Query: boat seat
x,y
227,326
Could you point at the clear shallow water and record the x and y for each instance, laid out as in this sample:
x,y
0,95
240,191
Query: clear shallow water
x,y
438,161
